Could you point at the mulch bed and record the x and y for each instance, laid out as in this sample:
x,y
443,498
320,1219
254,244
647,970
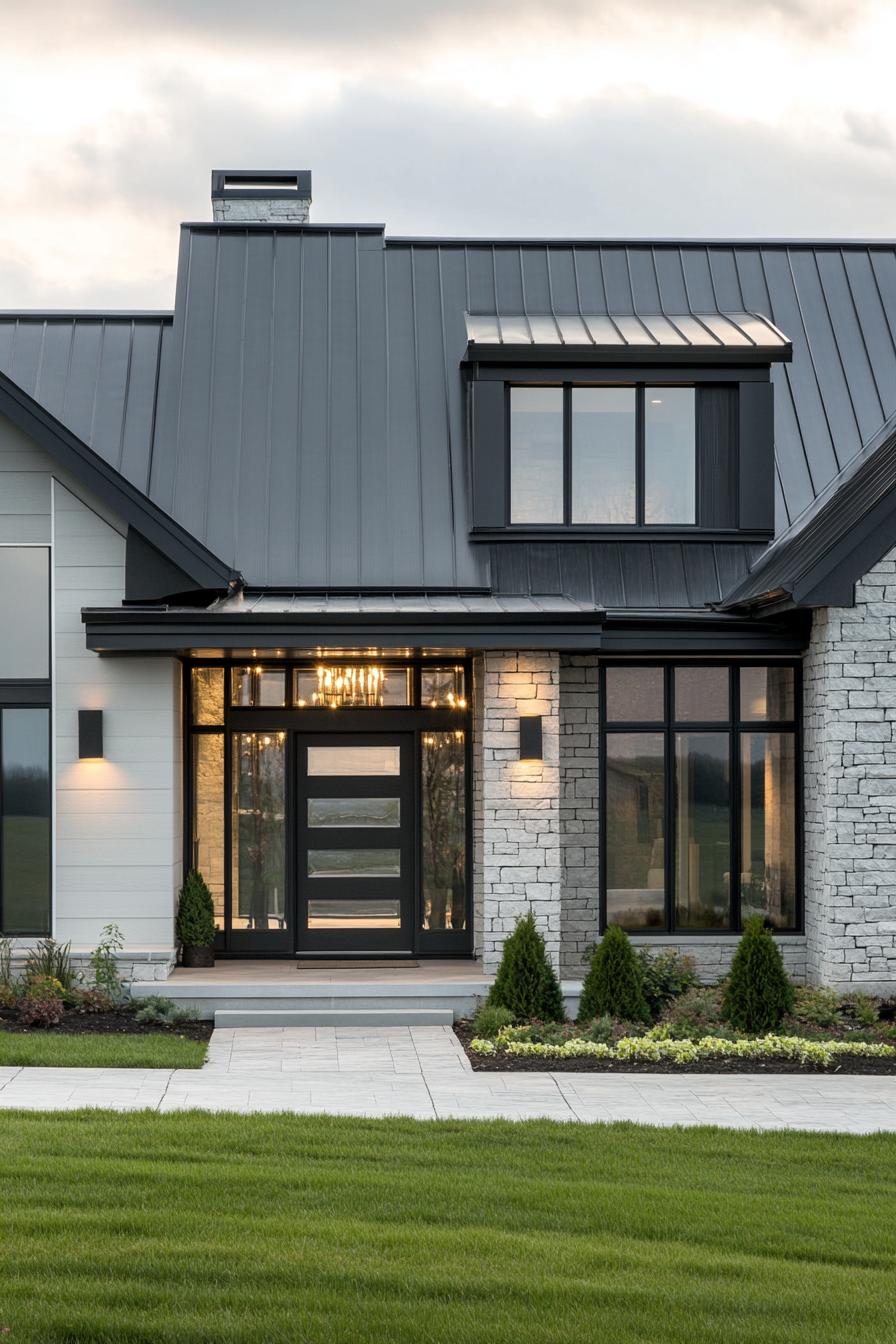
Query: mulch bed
x,y
502,1063
107,1024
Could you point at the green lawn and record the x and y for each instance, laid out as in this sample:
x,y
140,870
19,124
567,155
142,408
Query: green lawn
x,y
197,1227
156,1050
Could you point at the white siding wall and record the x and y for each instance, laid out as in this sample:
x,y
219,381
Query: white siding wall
x,y
118,843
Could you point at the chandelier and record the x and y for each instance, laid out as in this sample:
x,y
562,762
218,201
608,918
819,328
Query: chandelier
x,y
349,687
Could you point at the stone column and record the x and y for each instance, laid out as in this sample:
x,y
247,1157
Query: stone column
x,y
850,789
520,801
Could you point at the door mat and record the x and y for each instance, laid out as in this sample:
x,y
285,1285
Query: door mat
x,y
322,964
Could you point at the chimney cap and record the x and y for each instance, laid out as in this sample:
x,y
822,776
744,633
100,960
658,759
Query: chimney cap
x,y
261,184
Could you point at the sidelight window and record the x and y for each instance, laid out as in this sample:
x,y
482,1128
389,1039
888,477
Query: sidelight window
x,y
699,813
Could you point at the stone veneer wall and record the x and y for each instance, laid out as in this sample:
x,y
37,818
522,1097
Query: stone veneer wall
x,y
521,863
579,817
849,708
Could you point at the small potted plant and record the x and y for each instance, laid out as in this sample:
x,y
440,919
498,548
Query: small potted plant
x,y
196,922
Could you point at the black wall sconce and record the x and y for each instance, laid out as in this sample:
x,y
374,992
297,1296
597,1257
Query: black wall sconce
x,y
530,737
90,734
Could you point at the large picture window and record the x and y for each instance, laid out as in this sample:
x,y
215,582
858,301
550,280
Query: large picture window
x,y
603,456
699,798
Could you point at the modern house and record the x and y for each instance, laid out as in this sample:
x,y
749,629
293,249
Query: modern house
x,y
402,585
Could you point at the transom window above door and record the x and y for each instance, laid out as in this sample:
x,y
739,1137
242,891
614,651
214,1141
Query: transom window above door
x,y
603,456
358,684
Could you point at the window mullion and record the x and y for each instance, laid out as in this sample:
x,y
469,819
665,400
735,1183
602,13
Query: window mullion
x,y
640,470
670,809
736,829
567,453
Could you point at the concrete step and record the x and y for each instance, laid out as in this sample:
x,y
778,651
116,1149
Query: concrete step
x,y
333,1017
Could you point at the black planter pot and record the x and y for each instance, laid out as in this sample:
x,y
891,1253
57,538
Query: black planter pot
x,y
198,956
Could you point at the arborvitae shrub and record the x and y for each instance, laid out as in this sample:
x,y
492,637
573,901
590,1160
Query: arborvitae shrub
x,y
195,913
759,994
526,983
615,981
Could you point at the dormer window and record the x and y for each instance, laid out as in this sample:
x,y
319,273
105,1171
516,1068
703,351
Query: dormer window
x,y
604,456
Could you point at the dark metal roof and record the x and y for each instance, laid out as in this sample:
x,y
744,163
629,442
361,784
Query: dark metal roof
x,y
646,575
848,528
740,334
310,423
97,374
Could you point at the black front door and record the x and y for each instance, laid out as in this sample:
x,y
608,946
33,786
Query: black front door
x,y
354,842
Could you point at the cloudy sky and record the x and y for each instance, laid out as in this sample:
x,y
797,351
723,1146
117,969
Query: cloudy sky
x,y
544,117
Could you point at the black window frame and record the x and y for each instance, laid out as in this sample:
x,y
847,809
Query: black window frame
x,y
415,717
736,728
567,387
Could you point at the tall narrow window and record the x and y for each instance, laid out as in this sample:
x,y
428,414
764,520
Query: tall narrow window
x,y
259,831
768,821
208,849
670,493
604,478
444,830
25,834
24,613
536,455
635,809
702,830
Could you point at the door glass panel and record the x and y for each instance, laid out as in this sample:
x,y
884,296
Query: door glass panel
x,y
26,821
635,694
208,814
354,761
701,694
766,693
702,830
353,686
354,812
768,828
354,863
603,455
375,914
259,832
208,695
444,831
635,783
258,686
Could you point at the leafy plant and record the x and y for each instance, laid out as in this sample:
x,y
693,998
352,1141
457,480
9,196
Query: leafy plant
x,y
665,976
156,1008
759,993
91,1000
697,1012
490,1019
6,963
816,1006
864,1008
52,960
601,1029
526,983
195,913
615,981
104,964
42,1003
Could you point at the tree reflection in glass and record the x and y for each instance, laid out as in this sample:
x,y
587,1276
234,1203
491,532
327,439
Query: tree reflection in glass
x,y
259,879
444,858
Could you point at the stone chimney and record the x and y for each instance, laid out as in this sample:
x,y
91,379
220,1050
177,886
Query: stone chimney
x,y
256,196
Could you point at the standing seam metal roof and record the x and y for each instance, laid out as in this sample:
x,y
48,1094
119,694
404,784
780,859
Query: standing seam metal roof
x,y
310,425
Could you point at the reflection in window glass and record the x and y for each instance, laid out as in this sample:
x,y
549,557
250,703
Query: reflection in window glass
x,y
25,612
360,812
701,694
361,914
702,831
442,687
258,686
444,831
768,827
635,797
536,455
354,863
352,686
354,760
259,844
26,868
603,455
635,695
669,455
766,693
208,815
208,695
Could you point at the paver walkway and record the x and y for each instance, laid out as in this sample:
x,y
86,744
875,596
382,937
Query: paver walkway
x,y
422,1072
